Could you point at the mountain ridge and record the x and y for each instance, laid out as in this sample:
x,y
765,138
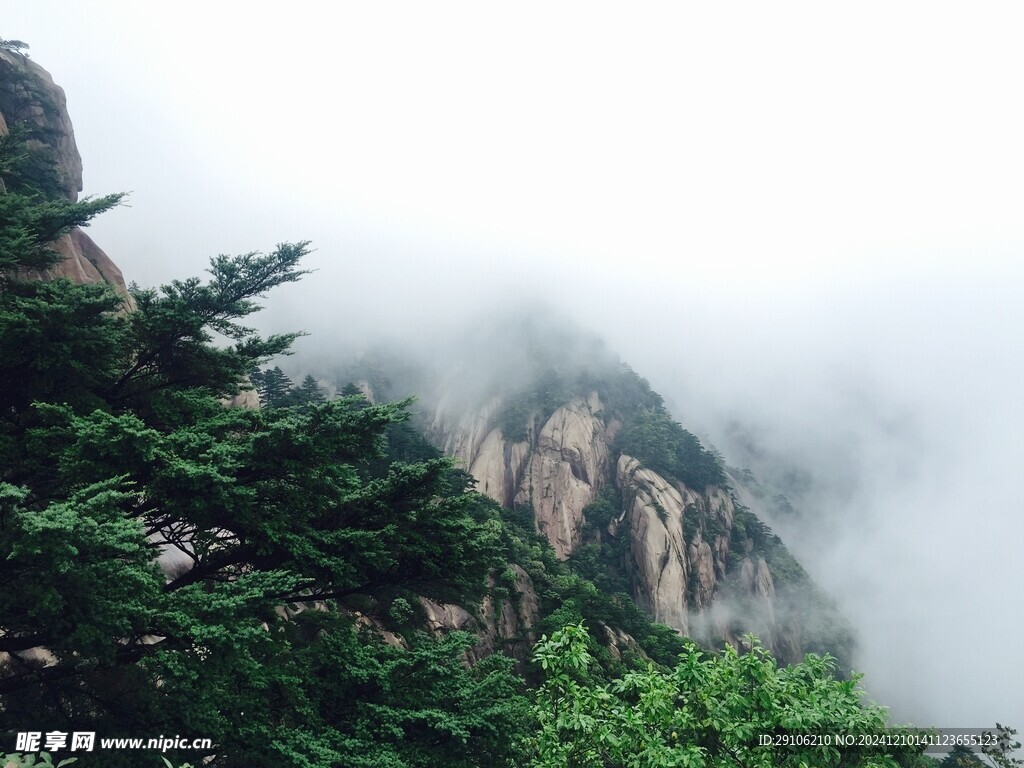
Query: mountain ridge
x,y
572,440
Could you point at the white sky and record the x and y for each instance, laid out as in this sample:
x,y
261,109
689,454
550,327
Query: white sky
x,y
754,142
829,194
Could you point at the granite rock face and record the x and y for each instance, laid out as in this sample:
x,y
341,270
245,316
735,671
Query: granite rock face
x,y
557,470
501,625
654,518
567,467
679,540
83,262
29,97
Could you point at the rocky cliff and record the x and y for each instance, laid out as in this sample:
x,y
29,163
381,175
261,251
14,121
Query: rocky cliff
x,y
558,469
692,556
31,102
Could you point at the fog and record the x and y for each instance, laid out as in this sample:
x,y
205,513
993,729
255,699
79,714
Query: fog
x,y
802,225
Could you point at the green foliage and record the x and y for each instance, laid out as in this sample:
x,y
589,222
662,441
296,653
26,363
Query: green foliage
x,y
28,227
271,507
351,390
962,757
603,558
319,693
169,336
1001,752
33,213
58,342
571,591
28,167
116,453
525,411
400,611
649,432
99,579
601,564
422,706
273,387
309,392
706,711
276,390
663,445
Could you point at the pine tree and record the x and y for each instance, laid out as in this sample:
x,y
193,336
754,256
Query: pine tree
x,y
274,388
249,511
351,390
116,454
308,392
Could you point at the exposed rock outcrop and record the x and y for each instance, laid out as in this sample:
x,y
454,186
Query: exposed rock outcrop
x,y
678,539
446,616
654,516
462,439
496,463
568,467
678,544
498,467
29,96
702,565
619,641
501,626
558,470
247,398
83,262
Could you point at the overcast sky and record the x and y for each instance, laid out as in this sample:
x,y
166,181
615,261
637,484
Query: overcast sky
x,y
803,217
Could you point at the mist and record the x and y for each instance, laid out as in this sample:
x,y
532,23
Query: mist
x,y
890,417
802,226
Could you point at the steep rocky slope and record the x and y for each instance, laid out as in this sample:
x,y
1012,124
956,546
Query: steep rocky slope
x,y
558,469
576,442
32,103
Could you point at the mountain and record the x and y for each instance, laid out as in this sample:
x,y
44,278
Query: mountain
x,y
556,429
